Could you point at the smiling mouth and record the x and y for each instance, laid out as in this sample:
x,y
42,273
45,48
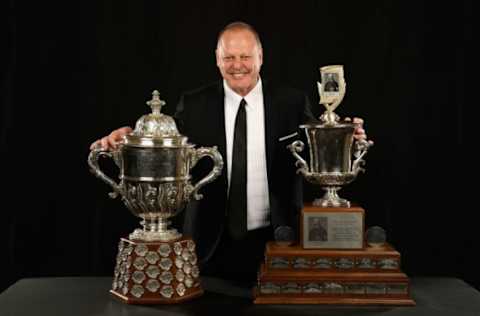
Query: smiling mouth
x,y
238,75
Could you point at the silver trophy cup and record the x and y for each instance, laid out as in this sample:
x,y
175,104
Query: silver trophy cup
x,y
155,162
331,144
156,264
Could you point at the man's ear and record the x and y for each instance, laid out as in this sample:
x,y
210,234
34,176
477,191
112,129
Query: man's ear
x,y
217,57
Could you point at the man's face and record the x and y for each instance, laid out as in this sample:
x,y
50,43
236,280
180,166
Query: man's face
x,y
239,59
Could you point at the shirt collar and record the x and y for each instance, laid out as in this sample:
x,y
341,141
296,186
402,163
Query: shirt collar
x,y
235,98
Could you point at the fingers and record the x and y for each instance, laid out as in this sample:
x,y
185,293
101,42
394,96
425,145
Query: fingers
x,y
95,144
358,120
112,140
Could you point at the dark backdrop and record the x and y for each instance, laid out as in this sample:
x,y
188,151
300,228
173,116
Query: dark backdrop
x,y
73,72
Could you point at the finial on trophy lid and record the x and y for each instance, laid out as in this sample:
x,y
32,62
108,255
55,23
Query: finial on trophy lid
x,y
331,91
156,124
155,103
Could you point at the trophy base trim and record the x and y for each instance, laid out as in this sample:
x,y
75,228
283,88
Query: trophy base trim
x,y
333,300
323,202
156,300
149,236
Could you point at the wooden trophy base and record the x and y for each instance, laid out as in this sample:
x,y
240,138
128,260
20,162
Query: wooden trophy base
x,y
364,276
156,272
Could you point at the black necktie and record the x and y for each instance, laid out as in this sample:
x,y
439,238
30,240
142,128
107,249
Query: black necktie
x,y
237,198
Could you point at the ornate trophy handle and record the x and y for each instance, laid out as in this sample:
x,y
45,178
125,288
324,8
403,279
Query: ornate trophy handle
x,y
95,169
296,147
360,150
196,155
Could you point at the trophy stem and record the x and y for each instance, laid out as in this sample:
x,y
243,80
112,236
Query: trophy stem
x,y
155,229
331,198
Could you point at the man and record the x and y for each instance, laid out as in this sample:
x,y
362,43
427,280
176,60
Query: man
x,y
230,242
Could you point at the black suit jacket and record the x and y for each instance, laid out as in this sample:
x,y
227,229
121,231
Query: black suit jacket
x,y
200,116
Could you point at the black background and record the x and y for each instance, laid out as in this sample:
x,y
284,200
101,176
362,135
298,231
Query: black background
x,y
71,72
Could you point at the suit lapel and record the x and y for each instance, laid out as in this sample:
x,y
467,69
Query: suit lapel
x,y
216,121
270,116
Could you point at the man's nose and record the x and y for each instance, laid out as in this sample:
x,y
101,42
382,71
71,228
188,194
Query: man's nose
x,y
237,64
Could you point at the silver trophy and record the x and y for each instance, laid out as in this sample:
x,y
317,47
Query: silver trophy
x,y
331,143
155,184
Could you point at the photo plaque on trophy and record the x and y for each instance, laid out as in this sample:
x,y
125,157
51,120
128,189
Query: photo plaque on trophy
x,y
333,263
156,264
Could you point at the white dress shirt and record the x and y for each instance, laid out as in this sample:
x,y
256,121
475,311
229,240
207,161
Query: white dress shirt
x,y
258,204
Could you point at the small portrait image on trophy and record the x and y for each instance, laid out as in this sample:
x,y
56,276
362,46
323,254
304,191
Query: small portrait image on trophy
x,y
318,228
330,82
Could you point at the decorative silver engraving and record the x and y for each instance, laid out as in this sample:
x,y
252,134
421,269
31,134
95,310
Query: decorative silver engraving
x,y
126,277
332,288
366,263
152,285
152,271
125,289
167,291
312,288
388,264
354,288
375,288
138,277
187,268
344,263
140,263
269,288
191,246
279,263
152,257
181,289
164,250
165,263
195,271
291,287
193,258
137,291
128,250
323,263
301,263
141,250
166,277
186,255
128,262
188,281
179,262
114,284
177,248
180,275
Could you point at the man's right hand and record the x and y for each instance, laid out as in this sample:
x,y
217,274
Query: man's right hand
x,y
110,142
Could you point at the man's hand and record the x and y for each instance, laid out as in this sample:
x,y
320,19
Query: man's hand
x,y
110,142
359,133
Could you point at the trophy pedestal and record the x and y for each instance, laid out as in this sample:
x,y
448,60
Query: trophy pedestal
x,y
358,275
156,272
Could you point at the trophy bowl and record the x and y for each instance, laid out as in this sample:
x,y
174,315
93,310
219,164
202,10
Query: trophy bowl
x,y
331,166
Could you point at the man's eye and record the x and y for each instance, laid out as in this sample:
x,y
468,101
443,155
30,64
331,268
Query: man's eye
x,y
228,58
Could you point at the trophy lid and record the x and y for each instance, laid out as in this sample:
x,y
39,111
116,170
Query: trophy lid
x,y
155,128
